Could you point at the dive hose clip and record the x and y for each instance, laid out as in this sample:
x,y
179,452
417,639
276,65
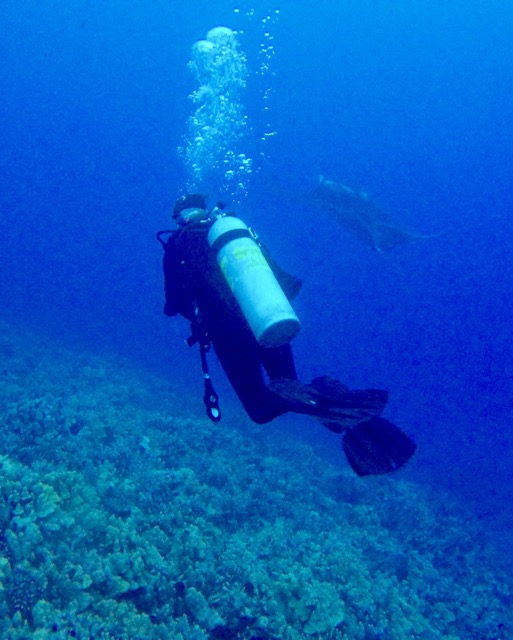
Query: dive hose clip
x,y
210,397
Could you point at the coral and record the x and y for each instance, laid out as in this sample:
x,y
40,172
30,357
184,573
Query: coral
x,y
201,611
213,534
22,591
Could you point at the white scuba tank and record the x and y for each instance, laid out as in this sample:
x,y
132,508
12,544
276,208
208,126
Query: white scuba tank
x,y
262,301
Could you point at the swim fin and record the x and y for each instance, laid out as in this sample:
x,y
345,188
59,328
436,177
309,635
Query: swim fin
x,y
329,400
333,391
377,446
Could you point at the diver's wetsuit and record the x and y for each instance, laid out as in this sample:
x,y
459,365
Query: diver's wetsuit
x,y
196,289
193,280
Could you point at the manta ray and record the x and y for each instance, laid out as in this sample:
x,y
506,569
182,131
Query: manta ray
x,y
361,216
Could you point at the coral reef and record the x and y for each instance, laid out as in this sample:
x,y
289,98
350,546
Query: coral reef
x,y
124,515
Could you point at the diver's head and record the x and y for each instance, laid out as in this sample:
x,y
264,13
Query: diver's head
x,y
194,214
190,208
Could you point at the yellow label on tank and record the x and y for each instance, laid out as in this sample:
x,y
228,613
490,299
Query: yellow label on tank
x,y
251,255
240,260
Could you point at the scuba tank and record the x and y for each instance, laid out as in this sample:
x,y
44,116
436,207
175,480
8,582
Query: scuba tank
x,y
261,299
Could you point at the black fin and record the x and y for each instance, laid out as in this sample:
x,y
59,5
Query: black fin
x,y
333,425
329,386
377,446
345,407
373,401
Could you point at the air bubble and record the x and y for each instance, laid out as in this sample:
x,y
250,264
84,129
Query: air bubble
x,y
216,127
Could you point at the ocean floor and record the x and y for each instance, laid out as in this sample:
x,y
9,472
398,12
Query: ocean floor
x,y
126,514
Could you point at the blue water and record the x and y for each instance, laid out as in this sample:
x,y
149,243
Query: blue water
x,y
410,101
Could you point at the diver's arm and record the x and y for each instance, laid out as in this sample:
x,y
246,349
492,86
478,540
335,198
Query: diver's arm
x,y
172,287
178,300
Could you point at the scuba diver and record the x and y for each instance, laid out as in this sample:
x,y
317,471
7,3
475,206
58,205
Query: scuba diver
x,y
221,278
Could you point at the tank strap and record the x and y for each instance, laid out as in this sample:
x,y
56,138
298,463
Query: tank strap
x,y
227,237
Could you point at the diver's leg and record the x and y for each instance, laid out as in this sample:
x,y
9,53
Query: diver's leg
x,y
239,355
278,362
325,398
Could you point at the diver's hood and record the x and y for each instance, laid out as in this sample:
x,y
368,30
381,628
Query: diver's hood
x,y
194,214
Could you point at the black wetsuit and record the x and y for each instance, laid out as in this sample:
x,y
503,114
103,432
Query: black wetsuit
x,y
194,283
193,280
